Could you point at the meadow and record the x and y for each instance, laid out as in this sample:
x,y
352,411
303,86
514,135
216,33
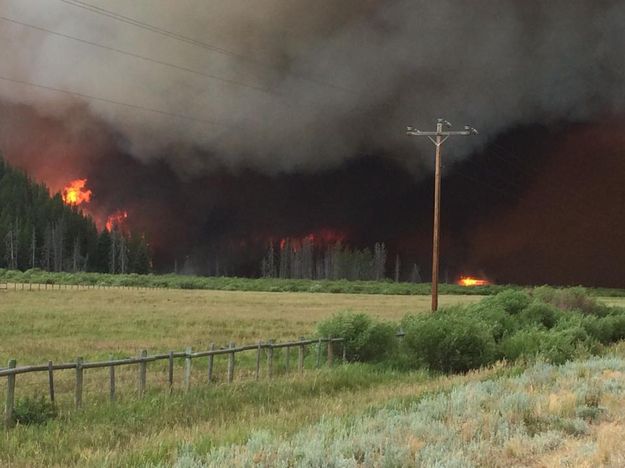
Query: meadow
x,y
252,423
62,324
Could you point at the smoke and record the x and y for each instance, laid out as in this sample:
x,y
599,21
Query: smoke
x,y
316,83
564,229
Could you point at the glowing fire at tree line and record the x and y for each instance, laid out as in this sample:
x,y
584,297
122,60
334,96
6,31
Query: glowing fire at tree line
x,y
471,281
76,193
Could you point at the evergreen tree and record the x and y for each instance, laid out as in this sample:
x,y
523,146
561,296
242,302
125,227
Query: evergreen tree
x,y
37,229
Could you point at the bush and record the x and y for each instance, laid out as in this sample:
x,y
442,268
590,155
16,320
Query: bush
x,y
539,313
523,344
500,322
36,410
365,339
606,330
510,300
449,343
555,346
571,299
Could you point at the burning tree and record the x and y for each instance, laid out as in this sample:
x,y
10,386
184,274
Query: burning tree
x,y
310,258
50,232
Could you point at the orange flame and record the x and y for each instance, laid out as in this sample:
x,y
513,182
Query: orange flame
x,y
471,281
76,193
322,237
116,220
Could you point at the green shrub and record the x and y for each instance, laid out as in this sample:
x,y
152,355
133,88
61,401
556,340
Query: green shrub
x,y
510,300
606,330
539,313
501,312
571,299
500,322
564,345
36,410
523,344
365,339
555,346
449,343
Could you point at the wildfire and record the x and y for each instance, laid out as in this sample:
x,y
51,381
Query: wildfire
x,y
76,192
322,237
116,220
471,281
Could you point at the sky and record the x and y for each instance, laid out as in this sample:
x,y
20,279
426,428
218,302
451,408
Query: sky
x,y
237,122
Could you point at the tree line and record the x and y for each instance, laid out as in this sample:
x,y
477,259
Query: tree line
x,y
303,259
38,230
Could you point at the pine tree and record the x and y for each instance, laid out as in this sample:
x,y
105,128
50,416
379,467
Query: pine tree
x,y
39,229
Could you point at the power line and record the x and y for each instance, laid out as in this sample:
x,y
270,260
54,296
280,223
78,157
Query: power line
x,y
438,137
189,40
118,103
137,56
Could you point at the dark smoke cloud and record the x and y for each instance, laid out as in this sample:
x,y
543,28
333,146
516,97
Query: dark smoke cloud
x,y
567,227
340,76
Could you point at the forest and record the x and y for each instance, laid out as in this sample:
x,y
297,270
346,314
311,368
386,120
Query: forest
x,y
38,230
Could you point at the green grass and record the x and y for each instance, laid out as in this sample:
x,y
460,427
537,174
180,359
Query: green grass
x,y
154,430
63,324
172,281
60,325
215,420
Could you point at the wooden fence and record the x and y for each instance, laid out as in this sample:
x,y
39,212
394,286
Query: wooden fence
x,y
35,286
142,360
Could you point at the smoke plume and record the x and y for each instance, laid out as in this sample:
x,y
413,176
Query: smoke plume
x,y
291,86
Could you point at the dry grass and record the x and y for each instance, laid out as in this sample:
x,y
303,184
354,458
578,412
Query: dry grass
x,y
613,301
546,417
154,430
59,325
62,324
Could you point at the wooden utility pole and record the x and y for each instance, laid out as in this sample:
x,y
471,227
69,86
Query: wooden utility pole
x,y
438,138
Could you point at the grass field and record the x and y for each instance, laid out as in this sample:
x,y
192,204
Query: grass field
x,y
190,428
60,325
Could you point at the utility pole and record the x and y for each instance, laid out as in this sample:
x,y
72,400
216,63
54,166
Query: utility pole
x,y
438,138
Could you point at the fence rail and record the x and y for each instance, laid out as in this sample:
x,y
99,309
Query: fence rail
x,y
143,359
52,286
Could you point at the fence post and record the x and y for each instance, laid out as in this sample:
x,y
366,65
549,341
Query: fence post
x,y
344,352
111,380
319,354
187,369
231,364
286,359
330,352
211,359
79,376
270,359
8,408
51,381
300,355
170,371
258,360
143,370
